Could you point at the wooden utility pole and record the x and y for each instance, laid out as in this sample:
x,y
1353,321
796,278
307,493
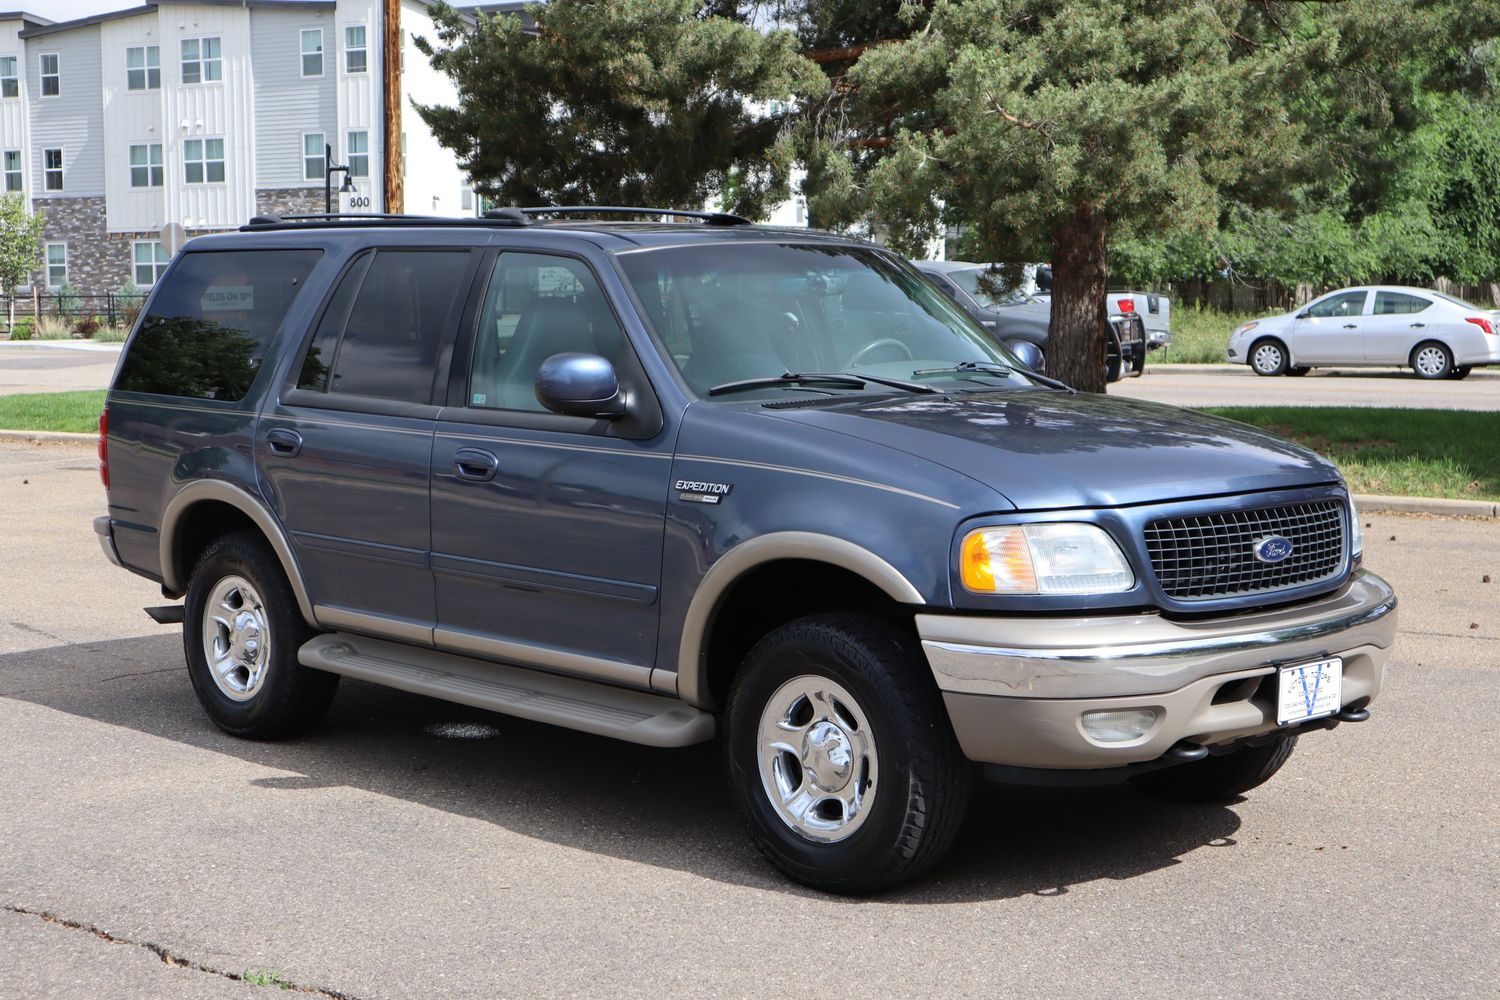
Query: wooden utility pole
x,y
395,166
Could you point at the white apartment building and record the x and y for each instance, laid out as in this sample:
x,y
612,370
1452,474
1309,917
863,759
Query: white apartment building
x,y
205,114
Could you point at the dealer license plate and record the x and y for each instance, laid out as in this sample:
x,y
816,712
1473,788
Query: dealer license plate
x,y
1309,690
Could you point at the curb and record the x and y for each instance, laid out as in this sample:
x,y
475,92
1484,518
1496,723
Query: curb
x,y
53,436
1372,504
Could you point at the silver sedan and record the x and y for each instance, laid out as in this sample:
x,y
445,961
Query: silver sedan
x,y
1435,335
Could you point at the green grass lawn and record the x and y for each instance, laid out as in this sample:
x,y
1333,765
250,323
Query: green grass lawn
x,y
1418,453
52,411
1199,336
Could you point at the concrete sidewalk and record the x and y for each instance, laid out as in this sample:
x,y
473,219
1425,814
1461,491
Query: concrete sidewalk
x,y
55,366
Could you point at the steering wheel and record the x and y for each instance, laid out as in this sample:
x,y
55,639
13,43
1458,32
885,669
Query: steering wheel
x,y
875,345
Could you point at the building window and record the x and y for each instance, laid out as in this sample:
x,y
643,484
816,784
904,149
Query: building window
x,y
203,161
145,166
12,170
314,165
356,58
312,51
143,67
51,74
10,81
150,261
57,265
52,170
202,60
358,150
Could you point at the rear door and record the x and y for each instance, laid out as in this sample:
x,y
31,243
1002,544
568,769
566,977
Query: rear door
x,y
344,452
1331,330
1399,322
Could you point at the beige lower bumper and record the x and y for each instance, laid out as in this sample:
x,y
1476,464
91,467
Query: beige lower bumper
x,y
1016,689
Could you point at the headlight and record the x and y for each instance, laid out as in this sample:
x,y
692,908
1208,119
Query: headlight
x,y
1044,559
1356,531
1246,328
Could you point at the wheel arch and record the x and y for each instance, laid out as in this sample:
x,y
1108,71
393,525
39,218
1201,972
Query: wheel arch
x,y
191,515
836,558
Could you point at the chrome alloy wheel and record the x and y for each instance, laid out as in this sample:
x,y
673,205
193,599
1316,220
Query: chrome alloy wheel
x,y
817,759
1431,361
1267,358
236,638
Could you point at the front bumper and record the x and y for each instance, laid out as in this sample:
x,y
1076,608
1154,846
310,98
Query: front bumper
x,y
1017,688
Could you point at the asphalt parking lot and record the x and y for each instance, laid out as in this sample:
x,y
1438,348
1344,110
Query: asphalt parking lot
x,y
411,848
1237,385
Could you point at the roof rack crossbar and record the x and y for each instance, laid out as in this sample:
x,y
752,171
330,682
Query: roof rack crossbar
x,y
708,218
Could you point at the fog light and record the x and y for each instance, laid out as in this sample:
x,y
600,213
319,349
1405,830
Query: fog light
x,y
1120,726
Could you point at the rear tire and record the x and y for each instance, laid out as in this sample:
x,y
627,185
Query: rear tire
x,y
1431,360
1268,357
241,632
1222,778
840,752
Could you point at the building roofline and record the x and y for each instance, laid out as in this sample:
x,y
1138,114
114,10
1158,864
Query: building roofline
x,y
53,27
21,15
46,27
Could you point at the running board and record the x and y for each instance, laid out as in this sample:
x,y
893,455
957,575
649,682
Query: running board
x,y
633,716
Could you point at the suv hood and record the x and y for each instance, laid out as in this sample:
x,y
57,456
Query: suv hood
x,y
1044,450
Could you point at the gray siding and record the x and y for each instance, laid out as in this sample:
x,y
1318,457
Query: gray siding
x,y
74,120
286,105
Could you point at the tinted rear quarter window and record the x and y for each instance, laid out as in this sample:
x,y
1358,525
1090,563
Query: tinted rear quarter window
x,y
211,321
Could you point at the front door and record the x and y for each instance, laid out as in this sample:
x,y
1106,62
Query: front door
x,y
1331,330
547,529
344,455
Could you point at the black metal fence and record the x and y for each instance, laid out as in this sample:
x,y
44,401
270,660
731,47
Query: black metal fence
x,y
114,309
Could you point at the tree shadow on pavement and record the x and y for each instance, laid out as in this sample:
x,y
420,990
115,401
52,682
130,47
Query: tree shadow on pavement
x,y
668,808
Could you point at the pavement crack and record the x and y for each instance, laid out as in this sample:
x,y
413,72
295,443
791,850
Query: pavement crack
x,y
1449,635
169,958
71,687
37,631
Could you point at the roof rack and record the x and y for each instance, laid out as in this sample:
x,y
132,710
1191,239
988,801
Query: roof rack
x,y
508,216
709,218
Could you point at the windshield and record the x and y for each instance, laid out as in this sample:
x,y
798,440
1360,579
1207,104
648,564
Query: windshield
x,y
729,312
969,280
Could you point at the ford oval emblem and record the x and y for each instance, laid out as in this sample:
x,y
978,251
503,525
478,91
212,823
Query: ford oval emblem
x,y
1273,548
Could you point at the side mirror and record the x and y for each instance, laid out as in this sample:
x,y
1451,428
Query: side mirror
x,y
1028,354
580,385
1304,314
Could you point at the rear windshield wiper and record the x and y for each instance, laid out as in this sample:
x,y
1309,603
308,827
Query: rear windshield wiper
x,y
992,368
851,380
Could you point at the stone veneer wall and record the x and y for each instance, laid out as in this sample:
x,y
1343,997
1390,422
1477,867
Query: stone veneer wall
x,y
290,201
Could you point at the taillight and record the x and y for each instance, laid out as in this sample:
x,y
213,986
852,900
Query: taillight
x,y
1127,305
104,447
1482,323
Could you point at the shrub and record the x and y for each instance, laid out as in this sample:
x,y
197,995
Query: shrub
x,y
51,328
21,331
68,303
128,302
86,326
112,334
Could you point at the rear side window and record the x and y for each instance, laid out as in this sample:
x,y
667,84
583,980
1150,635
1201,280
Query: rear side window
x,y
1397,303
211,321
383,328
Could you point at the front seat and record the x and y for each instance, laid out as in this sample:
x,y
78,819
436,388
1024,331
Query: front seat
x,y
548,326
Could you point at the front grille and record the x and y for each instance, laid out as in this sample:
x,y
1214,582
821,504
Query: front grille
x,y
1208,556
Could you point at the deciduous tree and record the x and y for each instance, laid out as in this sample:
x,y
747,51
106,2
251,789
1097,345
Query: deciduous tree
x,y
20,249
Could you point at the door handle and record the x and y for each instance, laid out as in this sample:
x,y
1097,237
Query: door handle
x,y
475,465
287,443
1418,326
1351,326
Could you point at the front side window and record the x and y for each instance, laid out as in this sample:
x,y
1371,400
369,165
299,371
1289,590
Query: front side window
x,y
13,170
10,81
146,166
972,280
52,170
385,324
51,68
203,161
730,312
211,321
314,152
358,151
312,51
537,305
356,57
202,60
143,67
151,260
1344,304
1398,304
57,265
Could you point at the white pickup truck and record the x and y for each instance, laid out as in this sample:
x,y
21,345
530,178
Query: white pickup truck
x,y
1155,310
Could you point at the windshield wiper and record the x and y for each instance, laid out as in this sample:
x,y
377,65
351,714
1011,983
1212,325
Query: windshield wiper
x,y
992,368
852,380
789,378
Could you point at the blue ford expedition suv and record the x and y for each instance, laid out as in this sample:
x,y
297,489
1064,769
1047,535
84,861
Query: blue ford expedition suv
x,y
674,483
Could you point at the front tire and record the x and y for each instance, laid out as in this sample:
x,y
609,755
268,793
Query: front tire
x,y
840,753
1431,360
1461,372
1222,778
1299,370
241,632
1268,357
1114,365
